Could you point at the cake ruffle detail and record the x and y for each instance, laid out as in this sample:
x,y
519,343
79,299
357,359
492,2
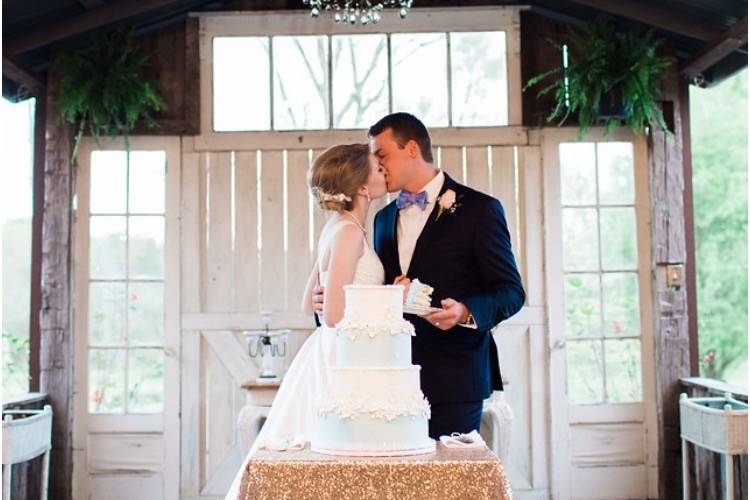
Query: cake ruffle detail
x,y
355,405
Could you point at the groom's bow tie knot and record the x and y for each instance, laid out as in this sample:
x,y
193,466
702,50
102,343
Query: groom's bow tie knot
x,y
406,199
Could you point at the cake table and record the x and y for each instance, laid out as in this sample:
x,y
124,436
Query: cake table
x,y
449,473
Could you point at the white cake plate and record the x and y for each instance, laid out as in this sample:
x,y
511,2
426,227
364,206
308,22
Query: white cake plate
x,y
420,311
376,453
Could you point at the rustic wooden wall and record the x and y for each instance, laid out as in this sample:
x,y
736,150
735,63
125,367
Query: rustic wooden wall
x,y
175,66
668,234
56,322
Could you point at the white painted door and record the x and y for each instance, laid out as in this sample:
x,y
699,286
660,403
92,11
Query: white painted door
x,y
603,436
126,310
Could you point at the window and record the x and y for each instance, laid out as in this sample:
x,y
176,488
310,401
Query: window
x,y
126,281
349,81
17,195
600,264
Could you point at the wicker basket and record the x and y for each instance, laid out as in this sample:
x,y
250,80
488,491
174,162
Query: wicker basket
x,y
717,424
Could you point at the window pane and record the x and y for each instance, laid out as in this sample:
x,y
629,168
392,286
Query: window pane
x,y
618,231
241,84
108,186
623,370
580,239
145,380
621,310
106,381
107,314
420,58
146,314
146,186
146,247
615,173
300,83
17,207
585,371
582,305
479,79
360,80
107,247
577,173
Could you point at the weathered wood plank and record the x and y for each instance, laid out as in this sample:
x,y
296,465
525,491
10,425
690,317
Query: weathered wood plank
x,y
57,337
246,232
272,272
218,257
298,256
452,162
190,211
478,169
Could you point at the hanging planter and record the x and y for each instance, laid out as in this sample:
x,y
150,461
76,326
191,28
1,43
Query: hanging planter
x,y
103,90
607,77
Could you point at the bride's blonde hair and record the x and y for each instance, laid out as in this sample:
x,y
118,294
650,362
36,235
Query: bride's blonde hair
x,y
338,173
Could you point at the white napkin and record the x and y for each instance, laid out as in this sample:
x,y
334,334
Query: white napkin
x,y
295,443
458,440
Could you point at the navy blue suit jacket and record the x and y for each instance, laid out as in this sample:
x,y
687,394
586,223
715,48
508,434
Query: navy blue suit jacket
x,y
466,256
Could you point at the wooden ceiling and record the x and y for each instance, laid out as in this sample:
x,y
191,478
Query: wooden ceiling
x,y
709,36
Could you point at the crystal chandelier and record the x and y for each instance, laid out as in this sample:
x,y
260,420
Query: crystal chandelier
x,y
354,11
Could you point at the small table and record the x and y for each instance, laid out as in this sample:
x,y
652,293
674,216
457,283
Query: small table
x,y
448,473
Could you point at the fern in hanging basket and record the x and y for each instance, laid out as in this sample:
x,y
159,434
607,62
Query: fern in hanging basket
x,y
103,90
607,69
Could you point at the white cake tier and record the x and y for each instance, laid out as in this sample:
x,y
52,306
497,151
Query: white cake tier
x,y
384,393
370,347
368,436
373,304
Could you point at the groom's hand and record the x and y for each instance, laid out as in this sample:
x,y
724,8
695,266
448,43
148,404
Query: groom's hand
x,y
317,300
452,314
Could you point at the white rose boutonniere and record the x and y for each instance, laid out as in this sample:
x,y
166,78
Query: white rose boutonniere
x,y
447,203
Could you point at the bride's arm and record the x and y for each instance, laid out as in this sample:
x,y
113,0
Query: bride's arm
x,y
346,250
307,306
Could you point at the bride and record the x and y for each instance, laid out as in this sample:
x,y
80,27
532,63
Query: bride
x,y
344,179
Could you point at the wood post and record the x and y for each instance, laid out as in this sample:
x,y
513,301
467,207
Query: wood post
x,y
672,339
56,325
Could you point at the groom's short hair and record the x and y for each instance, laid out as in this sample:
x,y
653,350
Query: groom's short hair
x,y
405,127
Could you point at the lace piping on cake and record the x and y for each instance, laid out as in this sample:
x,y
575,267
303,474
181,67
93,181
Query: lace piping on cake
x,y
391,324
355,405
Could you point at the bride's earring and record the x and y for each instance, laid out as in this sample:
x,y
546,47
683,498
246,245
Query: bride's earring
x,y
367,194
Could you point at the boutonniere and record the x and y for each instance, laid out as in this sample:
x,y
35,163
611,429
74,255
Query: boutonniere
x,y
447,203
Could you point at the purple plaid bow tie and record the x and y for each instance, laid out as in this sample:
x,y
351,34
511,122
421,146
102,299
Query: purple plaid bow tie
x,y
405,199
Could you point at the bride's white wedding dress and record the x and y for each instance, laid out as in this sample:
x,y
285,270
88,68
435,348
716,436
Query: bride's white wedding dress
x,y
293,415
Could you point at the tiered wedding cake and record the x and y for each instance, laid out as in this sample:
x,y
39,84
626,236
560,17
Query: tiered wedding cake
x,y
374,405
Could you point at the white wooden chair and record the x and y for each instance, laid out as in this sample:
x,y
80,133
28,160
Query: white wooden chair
x,y
497,422
24,438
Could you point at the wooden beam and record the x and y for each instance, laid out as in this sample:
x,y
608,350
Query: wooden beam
x,y
716,50
57,358
658,17
95,18
91,4
22,76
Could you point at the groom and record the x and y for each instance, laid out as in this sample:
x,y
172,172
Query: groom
x,y
456,240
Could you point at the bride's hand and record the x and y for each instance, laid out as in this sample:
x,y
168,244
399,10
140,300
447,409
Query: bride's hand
x,y
317,300
405,282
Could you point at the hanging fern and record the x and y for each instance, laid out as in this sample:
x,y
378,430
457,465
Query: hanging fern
x,y
600,60
102,87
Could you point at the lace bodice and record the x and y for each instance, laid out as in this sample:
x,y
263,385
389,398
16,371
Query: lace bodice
x,y
369,269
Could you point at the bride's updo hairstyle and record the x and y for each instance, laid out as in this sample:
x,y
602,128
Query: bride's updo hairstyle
x,y
337,174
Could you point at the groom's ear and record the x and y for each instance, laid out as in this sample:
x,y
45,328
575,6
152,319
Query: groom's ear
x,y
412,148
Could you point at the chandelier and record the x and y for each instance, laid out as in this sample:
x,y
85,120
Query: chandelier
x,y
354,11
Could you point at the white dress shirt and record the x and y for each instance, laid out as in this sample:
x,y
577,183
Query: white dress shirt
x,y
412,219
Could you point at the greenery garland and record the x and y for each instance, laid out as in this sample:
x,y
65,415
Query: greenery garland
x,y
602,60
102,87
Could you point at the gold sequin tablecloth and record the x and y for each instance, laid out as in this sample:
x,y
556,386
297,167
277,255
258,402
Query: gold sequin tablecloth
x,y
449,473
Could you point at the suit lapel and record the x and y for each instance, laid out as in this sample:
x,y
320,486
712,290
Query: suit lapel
x,y
391,222
430,230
